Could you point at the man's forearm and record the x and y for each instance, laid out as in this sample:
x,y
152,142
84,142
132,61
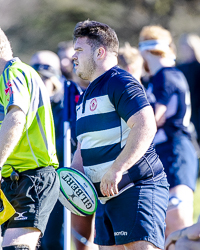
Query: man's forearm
x,y
10,133
143,129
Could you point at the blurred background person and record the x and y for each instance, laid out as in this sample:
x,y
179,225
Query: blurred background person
x,y
130,59
188,50
65,51
47,64
172,113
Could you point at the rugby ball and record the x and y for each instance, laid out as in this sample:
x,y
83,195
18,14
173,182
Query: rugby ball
x,y
77,192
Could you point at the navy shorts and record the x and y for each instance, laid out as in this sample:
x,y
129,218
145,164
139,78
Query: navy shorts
x,y
180,161
33,198
135,215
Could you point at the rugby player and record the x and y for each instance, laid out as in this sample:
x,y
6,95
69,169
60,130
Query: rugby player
x,y
115,129
172,114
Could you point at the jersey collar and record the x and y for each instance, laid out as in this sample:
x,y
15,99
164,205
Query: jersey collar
x,y
10,62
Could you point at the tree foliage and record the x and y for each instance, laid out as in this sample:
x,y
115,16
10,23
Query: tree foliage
x,y
42,24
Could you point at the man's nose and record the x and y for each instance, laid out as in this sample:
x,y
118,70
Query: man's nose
x,y
74,56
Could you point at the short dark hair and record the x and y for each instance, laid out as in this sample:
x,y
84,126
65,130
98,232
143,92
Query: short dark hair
x,y
98,34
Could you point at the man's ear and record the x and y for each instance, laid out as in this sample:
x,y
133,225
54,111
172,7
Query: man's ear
x,y
100,53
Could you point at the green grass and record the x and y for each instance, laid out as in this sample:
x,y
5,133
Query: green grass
x,y
197,201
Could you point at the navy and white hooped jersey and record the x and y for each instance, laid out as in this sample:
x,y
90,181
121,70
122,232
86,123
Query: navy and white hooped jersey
x,y
170,88
102,113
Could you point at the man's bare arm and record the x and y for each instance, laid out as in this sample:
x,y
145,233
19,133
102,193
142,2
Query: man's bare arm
x,y
143,129
160,110
11,131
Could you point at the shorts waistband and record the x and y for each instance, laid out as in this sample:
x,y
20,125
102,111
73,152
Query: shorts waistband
x,y
37,170
157,173
33,171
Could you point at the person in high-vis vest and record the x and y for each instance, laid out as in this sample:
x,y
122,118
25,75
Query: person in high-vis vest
x,y
27,151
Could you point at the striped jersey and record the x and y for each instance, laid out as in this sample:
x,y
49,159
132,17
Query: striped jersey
x,y
20,85
102,113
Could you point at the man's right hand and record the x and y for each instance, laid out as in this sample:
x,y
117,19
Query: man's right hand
x,y
109,182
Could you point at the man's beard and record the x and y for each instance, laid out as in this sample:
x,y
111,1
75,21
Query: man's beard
x,y
87,74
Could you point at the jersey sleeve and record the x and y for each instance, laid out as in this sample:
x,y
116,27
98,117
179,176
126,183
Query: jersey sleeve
x,y
1,114
14,90
162,89
127,95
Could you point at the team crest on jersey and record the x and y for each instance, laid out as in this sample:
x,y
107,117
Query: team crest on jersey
x,y
93,104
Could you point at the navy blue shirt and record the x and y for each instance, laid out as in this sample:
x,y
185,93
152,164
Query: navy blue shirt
x,y
102,113
170,88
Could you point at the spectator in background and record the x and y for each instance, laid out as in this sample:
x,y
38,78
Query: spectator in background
x,y
189,63
130,59
65,50
47,64
172,113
